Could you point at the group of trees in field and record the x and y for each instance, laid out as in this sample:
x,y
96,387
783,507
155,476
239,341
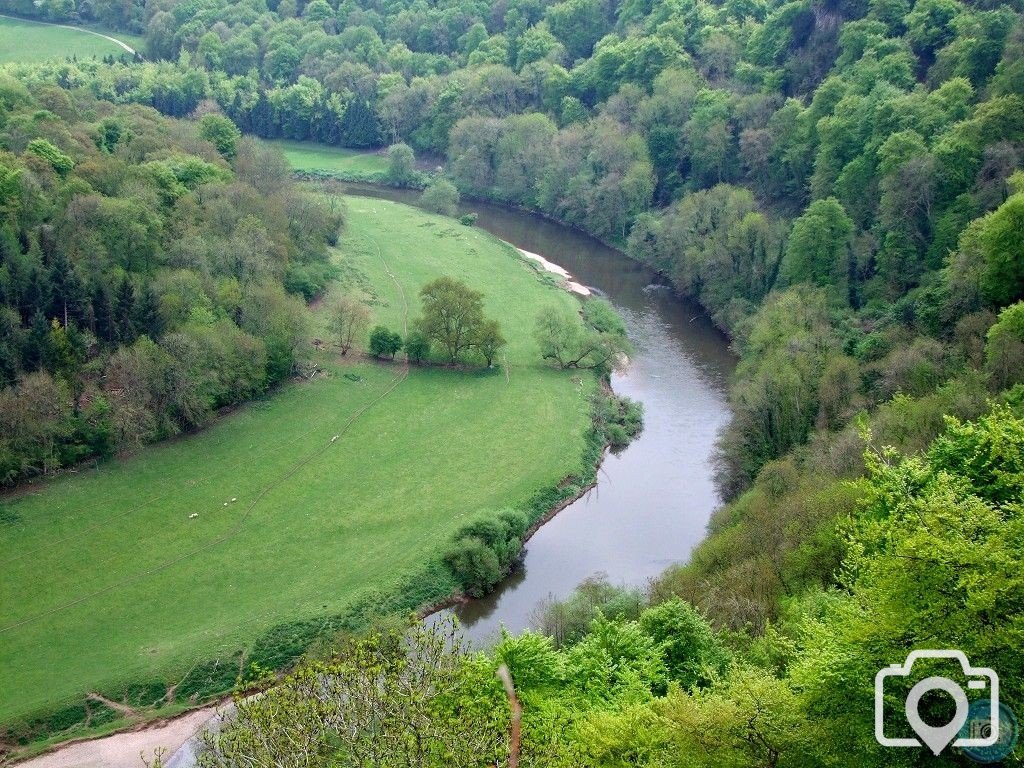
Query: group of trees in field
x,y
452,323
151,272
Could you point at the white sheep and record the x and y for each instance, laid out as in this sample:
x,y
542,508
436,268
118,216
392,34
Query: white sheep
x,y
193,516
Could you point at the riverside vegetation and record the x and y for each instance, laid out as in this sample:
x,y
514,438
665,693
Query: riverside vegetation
x,y
839,184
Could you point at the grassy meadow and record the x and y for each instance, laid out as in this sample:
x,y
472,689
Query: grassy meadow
x,y
354,163
107,582
29,41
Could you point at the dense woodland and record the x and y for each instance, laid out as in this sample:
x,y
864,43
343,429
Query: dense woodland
x,y
151,272
838,182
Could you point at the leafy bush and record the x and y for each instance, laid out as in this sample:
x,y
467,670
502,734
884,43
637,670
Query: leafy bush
x,y
384,343
617,418
417,346
440,196
474,565
485,548
601,315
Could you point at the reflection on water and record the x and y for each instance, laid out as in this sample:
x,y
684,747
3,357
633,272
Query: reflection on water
x,y
653,500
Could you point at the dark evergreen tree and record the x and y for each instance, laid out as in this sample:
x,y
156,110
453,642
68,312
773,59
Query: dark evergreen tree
x,y
37,345
147,314
36,296
359,127
261,117
124,312
67,294
104,325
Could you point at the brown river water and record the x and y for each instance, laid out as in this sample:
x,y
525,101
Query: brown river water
x,y
653,500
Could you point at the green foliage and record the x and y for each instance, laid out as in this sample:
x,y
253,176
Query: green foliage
x,y
60,162
619,419
602,317
817,251
416,346
786,348
1004,348
453,316
441,197
999,241
401,165
531,659
418,696
485,549
384,342
567,621
222,133
692,654
474,565
563,339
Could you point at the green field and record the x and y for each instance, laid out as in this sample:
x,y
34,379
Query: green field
x,y
105,579
306,156
28,41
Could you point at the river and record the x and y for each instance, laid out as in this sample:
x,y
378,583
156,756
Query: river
x,y
652,501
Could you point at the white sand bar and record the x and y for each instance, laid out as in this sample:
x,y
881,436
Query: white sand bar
x,y
562,272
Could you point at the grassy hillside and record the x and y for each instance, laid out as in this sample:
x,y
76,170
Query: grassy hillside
x,y
108,582
29,41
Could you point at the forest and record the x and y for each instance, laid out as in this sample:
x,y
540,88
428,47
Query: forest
x,y
838,182
152,272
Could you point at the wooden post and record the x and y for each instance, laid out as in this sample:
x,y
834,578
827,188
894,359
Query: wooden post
x,y
515,735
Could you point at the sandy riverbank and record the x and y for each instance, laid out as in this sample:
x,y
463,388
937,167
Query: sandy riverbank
x,y
121,750
562,272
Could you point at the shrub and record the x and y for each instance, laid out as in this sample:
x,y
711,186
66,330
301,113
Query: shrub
x,y
474,565
485,548
401,165
384,343
618,419
601,315
690,649
60,162
469,219
566,621
440,196
417,346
